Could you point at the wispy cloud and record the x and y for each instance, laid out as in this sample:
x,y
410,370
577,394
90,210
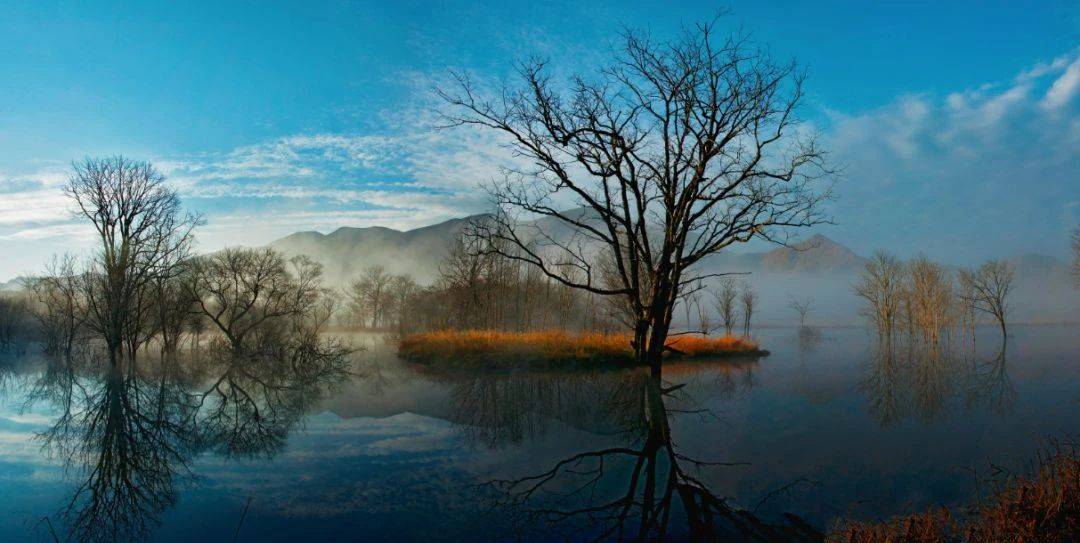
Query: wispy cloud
x,y
973,174
957,175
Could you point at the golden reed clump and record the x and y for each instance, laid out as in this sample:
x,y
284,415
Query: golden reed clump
x,y
464,346
1044,507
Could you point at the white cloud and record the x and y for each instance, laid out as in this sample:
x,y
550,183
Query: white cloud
x,y
977,173
1065,87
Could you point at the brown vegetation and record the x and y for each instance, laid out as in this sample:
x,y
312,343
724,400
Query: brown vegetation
x,y
1042,507
554,346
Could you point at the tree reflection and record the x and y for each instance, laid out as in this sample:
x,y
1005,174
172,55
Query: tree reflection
x,y
642,487
921,380
128,434
991,384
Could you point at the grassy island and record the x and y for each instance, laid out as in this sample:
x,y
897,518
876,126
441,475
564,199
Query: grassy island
x,y
494,348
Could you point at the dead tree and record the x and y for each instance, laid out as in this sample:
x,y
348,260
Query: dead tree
x,y
929,299
989,288
725,303
881,284
674,152
802,306
748,297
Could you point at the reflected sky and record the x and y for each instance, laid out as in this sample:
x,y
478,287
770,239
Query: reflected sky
x,y
830,427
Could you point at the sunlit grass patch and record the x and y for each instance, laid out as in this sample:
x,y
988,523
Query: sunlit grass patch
x,y
553,346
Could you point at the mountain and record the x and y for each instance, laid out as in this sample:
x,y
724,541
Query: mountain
x,y
817,254
14,284
345,252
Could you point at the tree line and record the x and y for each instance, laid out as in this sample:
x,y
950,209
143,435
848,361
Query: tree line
x,y
143,286
924,300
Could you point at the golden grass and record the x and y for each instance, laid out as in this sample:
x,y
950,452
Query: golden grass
x,y
1043,507
466,346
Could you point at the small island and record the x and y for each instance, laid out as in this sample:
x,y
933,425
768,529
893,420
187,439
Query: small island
x,y
496,348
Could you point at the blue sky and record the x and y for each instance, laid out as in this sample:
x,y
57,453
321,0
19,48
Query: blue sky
x,y
958,125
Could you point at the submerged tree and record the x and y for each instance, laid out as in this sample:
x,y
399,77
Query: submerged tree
x,y
989,288
672,153
881,284
142,235
802,306
243,290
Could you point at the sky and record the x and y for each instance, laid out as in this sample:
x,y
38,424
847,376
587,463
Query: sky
x,y
957,126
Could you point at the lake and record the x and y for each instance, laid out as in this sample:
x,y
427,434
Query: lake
x,y
828,425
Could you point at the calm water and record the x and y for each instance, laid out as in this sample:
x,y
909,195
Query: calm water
x,y
828,425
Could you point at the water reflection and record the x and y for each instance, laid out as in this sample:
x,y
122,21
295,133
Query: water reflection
x,y
127,434
926,380
642,486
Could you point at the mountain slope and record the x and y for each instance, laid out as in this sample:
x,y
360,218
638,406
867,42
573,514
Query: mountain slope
x,y
345,252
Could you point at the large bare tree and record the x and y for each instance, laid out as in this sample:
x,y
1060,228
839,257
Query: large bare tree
x,y
142,236
670,154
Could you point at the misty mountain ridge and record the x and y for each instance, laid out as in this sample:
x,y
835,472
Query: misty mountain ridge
x,y
347,251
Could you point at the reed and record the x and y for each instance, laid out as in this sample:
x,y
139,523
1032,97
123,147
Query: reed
x,y
1044,506
553,346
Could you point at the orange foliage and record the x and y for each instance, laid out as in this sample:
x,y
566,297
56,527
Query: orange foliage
x,y
551,345
696,345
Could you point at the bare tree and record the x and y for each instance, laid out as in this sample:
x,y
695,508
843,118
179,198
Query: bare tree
x,y
240,290
928,298
672,153
402,289
748,297
725,303
371,295
142,234
14,314
802,306
881,284
989,288
59,305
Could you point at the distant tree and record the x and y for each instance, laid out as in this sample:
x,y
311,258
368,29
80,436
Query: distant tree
x,y
14,313
881,284
802,306
402,290
142,234
675,152
725,303
929,298
59,305
462,274
748,297
989,288
371,294
239,290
